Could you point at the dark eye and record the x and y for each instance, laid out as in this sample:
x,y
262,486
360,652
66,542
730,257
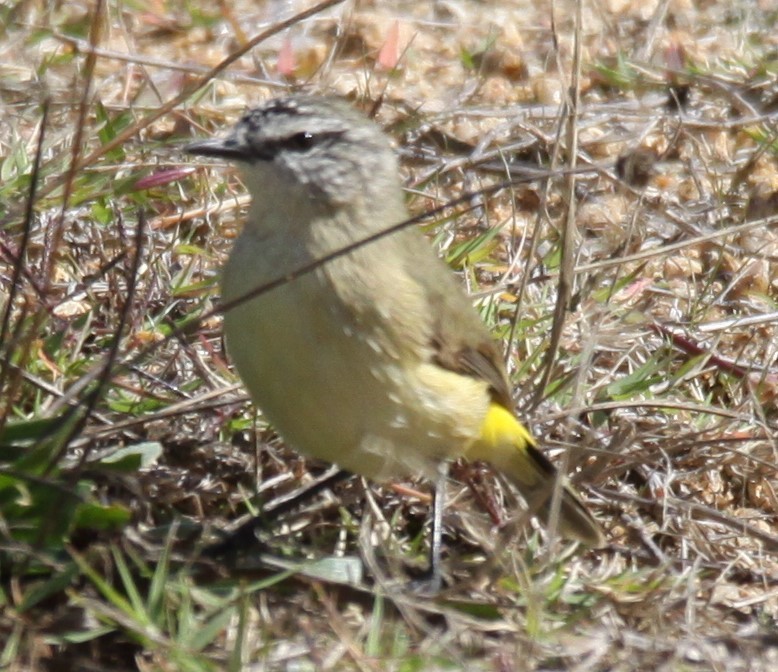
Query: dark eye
x,y
299,142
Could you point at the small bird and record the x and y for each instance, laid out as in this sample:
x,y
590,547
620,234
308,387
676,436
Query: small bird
x,y
376,360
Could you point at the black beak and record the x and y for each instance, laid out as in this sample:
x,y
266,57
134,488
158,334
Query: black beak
x,y
222,148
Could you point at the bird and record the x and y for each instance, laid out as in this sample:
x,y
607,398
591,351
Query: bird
x,y
375,360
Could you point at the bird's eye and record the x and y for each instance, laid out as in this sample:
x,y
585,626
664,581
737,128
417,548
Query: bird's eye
x,y
299,142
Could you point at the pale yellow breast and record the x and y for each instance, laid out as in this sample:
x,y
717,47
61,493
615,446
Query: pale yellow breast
x,y
336,389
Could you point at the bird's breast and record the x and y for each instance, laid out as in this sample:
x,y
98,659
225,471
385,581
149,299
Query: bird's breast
x,y
328,368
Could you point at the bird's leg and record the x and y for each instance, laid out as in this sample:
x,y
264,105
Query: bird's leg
x,y
431,581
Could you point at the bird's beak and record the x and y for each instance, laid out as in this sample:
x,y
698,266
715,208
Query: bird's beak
x,y
223,148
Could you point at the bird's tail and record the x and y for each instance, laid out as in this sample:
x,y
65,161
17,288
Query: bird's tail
x,y
509,447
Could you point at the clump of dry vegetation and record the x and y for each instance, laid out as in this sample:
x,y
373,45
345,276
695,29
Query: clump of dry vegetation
x,y
636,146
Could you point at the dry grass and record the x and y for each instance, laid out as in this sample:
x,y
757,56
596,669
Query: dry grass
x,y
126,442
